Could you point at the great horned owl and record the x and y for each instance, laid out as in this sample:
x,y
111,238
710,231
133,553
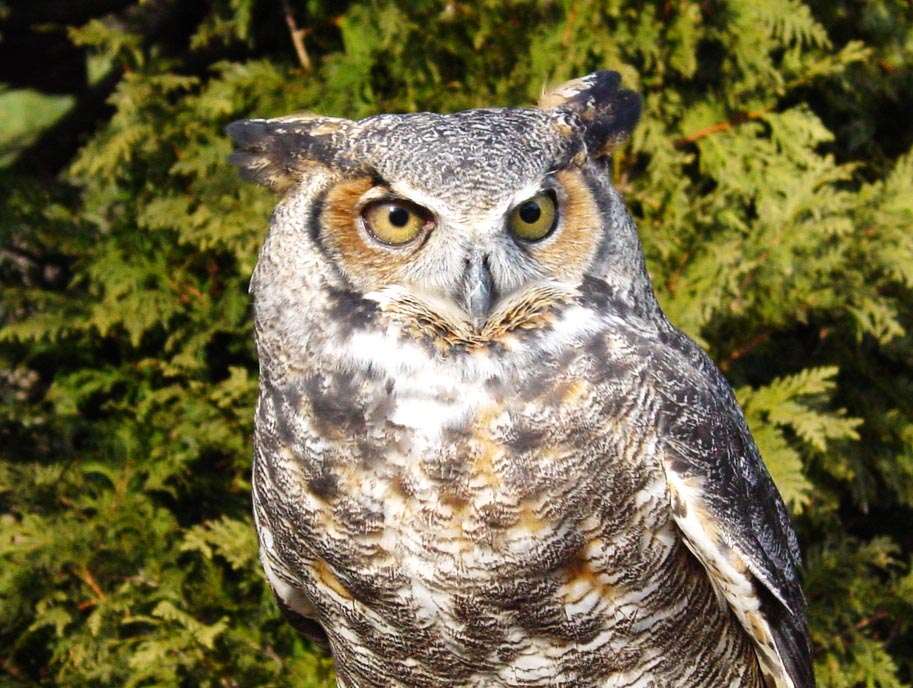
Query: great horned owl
x,y
483,456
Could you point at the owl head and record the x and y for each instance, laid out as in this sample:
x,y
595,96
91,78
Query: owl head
x,y
463,227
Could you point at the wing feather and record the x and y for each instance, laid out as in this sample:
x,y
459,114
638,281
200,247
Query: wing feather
x,y
294,605
729,511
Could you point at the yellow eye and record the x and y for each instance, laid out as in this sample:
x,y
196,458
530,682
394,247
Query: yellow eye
x,y
535,218
395,222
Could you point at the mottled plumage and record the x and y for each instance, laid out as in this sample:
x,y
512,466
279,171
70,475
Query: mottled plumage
x,y
483,456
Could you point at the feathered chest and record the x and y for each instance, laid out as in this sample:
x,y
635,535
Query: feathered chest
x,y
475,469
507,523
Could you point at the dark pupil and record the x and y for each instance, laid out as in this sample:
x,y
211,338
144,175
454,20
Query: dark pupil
x,y
530,212
399,217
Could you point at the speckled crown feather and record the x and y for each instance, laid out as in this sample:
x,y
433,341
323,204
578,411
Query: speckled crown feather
x,y
588,115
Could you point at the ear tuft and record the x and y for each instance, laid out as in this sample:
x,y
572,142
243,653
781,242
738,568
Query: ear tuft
x,y
609,113
273,152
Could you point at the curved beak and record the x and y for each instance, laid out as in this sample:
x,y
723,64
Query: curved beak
x,y
478,289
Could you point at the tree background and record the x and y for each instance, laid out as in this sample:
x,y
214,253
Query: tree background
x,y
771,178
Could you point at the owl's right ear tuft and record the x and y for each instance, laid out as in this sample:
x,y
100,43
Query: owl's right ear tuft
x,y
608,112
274,152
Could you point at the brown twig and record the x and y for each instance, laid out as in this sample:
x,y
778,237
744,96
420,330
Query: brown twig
x,y
877,616
740,118
83,574
673,279
297,37
13,670
569,25
738,353
630,191
187,293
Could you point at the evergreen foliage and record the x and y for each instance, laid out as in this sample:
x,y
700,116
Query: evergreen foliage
x,y
771,178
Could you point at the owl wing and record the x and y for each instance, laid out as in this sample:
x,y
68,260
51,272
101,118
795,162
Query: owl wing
x,y
295,607
729,511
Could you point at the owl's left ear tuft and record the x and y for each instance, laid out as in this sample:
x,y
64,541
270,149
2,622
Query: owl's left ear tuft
x,y
609,113
274,152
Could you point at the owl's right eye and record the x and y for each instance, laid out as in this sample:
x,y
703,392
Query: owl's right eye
x,y
395,222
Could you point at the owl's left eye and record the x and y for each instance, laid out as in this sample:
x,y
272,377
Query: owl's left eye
x,y
395,222
534,218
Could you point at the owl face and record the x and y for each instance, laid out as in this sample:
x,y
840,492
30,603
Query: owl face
x,y
493,220
462,226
